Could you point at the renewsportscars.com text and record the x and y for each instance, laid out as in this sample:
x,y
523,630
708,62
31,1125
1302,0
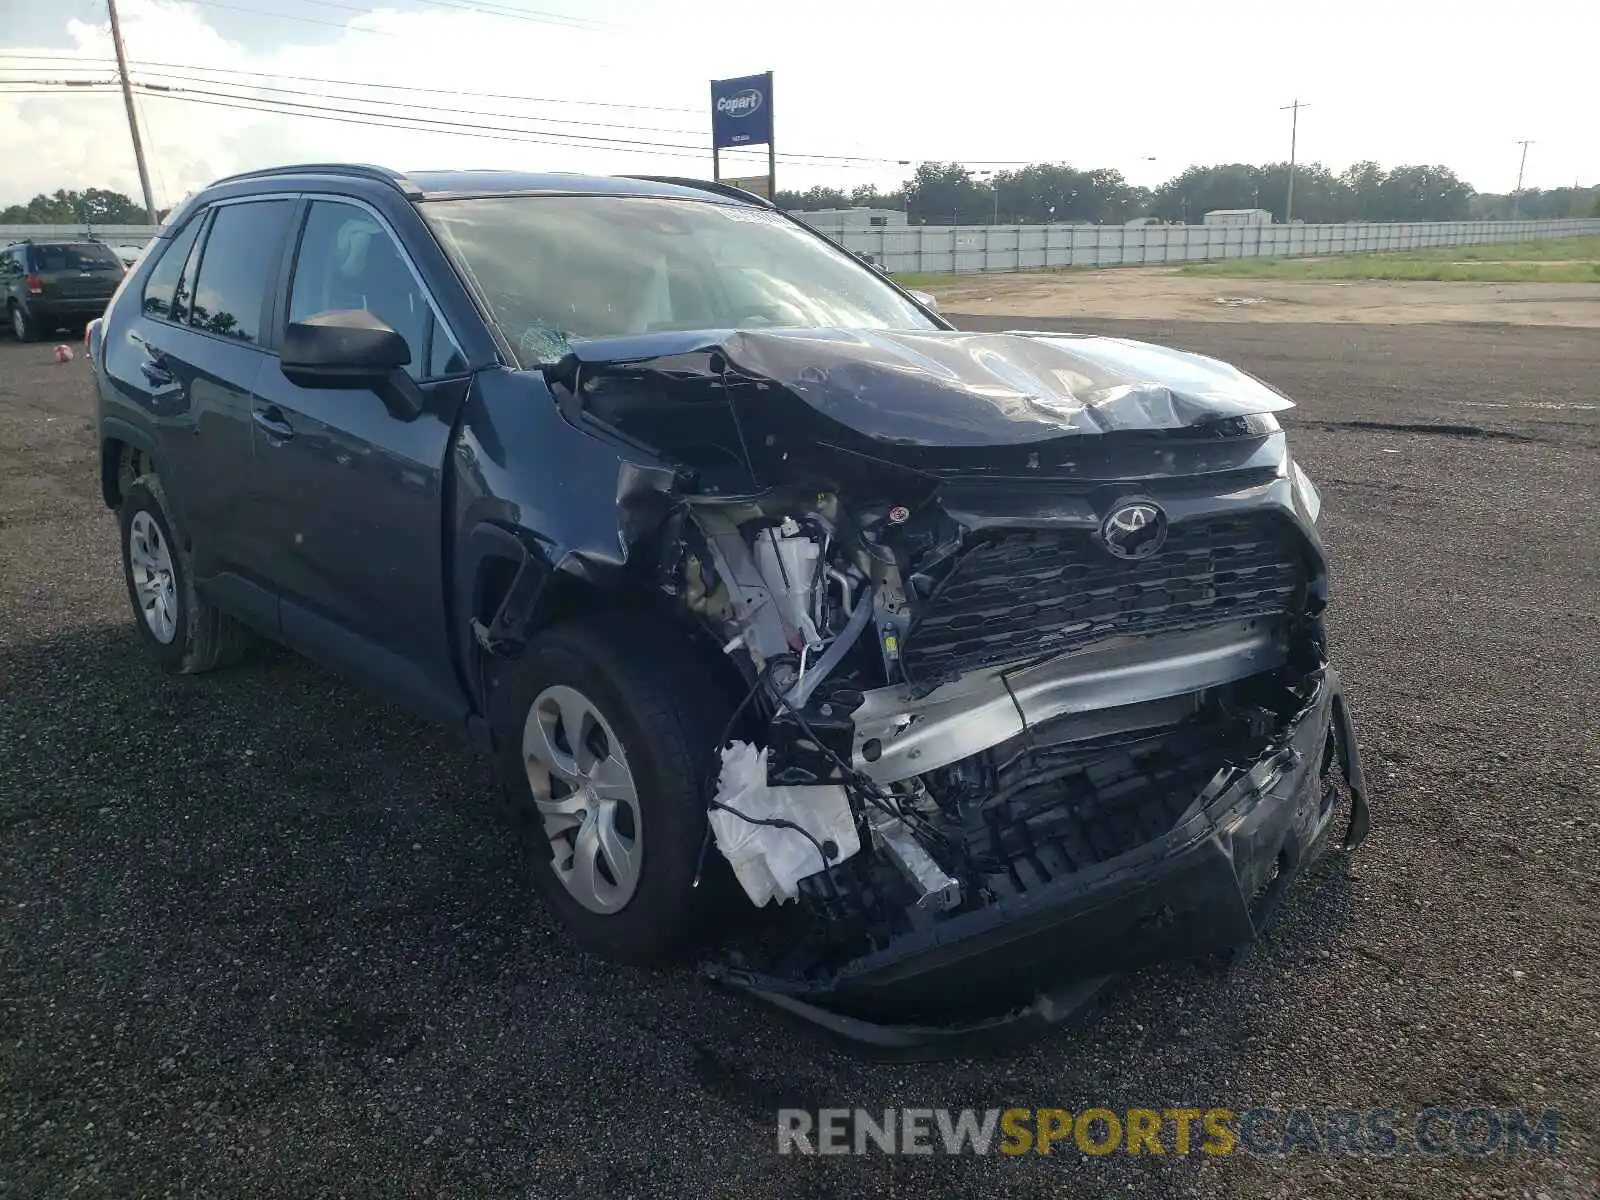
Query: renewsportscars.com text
x,y
1473,1132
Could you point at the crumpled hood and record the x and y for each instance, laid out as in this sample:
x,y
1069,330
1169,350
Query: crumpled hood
x,y
944,388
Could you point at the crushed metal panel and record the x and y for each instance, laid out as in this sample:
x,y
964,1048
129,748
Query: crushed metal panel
x,y
899,735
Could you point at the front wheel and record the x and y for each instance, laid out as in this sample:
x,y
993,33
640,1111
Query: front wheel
x,y
606,735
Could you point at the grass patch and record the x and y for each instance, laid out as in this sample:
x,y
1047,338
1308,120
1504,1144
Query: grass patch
x,y
1540,250
1548,260
926,283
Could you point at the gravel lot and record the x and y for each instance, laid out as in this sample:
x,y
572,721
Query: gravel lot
x,y
262,934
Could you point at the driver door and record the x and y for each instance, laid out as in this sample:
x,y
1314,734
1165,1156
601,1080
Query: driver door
x,y
350,496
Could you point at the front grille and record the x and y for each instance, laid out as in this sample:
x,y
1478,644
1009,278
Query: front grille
x,y
1020,594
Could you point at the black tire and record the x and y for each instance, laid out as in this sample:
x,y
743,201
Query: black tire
x,y
23,327
667,712
204,638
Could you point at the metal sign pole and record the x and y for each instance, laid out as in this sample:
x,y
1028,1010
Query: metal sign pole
x,y
772,146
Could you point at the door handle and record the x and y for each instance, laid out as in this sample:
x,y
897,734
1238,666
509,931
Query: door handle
x,y
155,372
272,420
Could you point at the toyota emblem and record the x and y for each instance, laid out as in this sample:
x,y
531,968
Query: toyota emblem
x,y
1134,530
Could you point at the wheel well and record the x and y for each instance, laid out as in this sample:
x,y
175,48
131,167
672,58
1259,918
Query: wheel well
x,y
562,596
120,464
567,597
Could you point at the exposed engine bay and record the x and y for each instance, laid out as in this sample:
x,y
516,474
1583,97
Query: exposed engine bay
x,y
1023,632
974,760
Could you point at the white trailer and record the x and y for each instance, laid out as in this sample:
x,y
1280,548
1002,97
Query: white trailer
x,y
1238,216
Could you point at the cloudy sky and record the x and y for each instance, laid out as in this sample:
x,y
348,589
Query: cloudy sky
x,y
1148,88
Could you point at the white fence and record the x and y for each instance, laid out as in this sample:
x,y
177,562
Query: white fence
x,y
946,249
955,249
115,235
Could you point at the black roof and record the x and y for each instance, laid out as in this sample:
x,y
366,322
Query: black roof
x,y
424,185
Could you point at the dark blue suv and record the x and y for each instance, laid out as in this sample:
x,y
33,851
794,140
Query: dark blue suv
x,y
984,664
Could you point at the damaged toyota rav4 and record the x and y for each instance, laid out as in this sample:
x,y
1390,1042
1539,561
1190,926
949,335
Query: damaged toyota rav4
x,y
917,681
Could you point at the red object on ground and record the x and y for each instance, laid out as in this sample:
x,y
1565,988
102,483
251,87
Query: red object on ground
x,y
63,354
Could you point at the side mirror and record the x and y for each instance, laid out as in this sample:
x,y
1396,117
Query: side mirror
x,y
926,299
351,348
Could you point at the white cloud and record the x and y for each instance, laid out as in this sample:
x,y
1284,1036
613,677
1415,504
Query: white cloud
x,y
1095,83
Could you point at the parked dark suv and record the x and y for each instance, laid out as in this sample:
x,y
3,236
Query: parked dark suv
x,y
987,666
45,285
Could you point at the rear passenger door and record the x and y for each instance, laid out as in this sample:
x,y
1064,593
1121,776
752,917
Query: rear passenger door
x,y
199,340
350,495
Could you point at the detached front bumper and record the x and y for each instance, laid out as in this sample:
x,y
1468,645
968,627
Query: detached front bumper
x,y
1010,970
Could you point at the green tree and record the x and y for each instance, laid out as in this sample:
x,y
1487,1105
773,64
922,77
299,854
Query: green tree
x,y
813,199
96,206
946,193
868,196
1423,194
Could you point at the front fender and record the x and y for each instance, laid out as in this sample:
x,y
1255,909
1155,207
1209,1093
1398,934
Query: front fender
x,y
542,506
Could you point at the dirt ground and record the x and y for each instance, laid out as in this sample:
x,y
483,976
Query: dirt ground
x,y
261,934
1157,293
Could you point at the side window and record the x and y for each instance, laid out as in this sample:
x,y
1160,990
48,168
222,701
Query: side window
x,y
348,260
161,285
237,268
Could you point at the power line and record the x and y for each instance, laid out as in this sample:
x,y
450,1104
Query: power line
x,y
262,12
281,16
161,89
469,112
403,87
429,124
796,157
318,114
558,136
65,83
51,57
90,90
539,16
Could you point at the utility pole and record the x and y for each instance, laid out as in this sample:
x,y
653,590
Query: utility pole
x,y
133,121
1294,132
1516,196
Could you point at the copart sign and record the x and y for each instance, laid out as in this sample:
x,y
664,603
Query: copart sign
x,y
741,111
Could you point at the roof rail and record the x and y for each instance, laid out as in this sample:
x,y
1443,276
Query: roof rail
x,y
356,170
706,185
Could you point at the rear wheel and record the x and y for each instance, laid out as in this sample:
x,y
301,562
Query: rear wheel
x,y
183,633
606,733
23,327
